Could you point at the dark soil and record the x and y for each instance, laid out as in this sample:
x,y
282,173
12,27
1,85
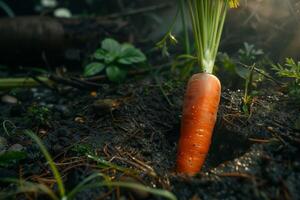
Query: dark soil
x,y
136,125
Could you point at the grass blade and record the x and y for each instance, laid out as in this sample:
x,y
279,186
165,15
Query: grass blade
x,y
52,165
157,192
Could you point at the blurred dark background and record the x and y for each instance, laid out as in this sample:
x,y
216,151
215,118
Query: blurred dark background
x,y
271,25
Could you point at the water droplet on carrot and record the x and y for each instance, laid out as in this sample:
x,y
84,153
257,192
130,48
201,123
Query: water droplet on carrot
x,y
196,145
200,132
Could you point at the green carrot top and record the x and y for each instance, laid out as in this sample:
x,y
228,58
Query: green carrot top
x,y
208,17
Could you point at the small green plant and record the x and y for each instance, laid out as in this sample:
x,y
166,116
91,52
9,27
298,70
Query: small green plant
x,y
245,69
249,54
248,95
291,70
38,114
115,58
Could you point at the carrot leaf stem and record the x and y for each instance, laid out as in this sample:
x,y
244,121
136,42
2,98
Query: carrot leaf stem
x,y
207,18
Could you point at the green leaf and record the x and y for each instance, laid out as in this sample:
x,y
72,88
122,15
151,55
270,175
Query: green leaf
x,y
115,74
245,108
93,68
126,46
111,46
242,72
130,55
100,54
11,157
110,57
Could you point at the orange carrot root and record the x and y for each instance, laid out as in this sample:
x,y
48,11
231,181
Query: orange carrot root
x,y
200,109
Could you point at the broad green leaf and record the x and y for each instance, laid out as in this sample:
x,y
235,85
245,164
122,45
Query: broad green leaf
x,y
126,46
110,57
131,55
11,157
115,74
93,69
111,46
100,54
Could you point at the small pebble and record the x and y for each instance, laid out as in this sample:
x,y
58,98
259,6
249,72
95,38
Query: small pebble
x,y
57,148
93,94
9,99
79,120
63,110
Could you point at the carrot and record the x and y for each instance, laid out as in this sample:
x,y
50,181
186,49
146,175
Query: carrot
x,y
204,89
199,116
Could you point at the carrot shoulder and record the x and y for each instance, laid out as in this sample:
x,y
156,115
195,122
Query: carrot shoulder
x,y
198,120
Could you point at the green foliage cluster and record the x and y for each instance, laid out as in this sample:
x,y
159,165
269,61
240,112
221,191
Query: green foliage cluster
x,y
115,58
249,54
38,114
291,70
247,58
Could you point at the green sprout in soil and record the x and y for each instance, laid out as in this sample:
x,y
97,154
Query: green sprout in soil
x,y
38,114
245,66
290,70
248,97
115,58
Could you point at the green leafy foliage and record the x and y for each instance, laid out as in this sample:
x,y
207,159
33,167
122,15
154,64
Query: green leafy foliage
x,y
115,58
241,62
248,95
245,67
93,68
163,44
249,54
115,73
38,114
291,70
130,55
185,64
10,158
